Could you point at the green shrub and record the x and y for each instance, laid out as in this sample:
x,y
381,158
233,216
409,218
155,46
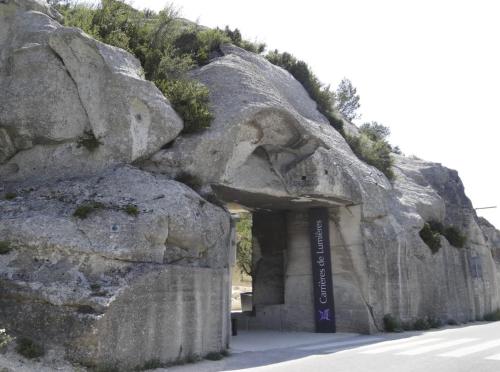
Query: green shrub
x,y
431,238
237,40
452,322
10,196
5,247
214,356
29,349
89,141
391,324
83,210
375,153
421,325
493,317
455,237
190,100
5,339
434,322
132,210
151,364
323,96
432,231
244,244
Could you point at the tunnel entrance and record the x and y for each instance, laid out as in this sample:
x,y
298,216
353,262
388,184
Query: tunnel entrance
x,y
273,280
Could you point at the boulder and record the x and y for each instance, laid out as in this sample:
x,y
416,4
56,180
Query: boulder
x,y
85,107
117,267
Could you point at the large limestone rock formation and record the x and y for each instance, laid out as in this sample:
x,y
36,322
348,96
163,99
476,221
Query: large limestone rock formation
x,y
116,287
121,264
117,265
71,105
269,148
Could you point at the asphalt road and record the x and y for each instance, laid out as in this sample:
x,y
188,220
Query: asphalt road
x,y
470,348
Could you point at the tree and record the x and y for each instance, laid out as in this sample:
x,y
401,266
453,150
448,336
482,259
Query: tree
x,y
375,131
244,243
347,101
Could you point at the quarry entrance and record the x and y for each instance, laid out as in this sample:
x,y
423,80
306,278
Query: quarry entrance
x,y
290,287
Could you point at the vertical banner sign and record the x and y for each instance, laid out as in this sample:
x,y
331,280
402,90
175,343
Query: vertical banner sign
x,y
324,313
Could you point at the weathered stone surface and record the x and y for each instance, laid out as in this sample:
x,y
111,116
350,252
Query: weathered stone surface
x,y
58,87
268,144
270,148
116,285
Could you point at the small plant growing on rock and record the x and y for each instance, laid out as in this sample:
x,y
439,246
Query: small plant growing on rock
x,y
83,210
5,247
455,237
10,196
493,317
391,324
421,325
29,349
5,339
89,141
214,356
431,237
131,210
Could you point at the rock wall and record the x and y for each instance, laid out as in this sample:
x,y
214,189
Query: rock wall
x,y
118,266
269,148
121,265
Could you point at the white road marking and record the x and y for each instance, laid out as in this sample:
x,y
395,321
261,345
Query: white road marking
x,y
441,345
494,357
339,344
472,349
379,350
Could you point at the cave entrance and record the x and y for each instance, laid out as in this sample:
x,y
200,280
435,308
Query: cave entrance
x,y
272,278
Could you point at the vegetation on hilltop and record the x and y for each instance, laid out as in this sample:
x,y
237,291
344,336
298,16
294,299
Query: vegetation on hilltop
x,y
324,97
168,47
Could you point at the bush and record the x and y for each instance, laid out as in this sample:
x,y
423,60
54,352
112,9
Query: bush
x,y
5,247
214,356
493,317
244,243
5,339
431,237
29,349
435,322
323,96
391,324
455,237
432,231
237,40
132,210
452,322
89,141
10,196
375,153
190,100
83,210
421,325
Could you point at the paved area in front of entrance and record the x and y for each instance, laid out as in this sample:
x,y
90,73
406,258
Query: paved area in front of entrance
x,y
471,348
247,341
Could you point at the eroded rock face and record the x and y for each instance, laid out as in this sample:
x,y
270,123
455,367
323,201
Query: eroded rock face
x,y
105,284
268,143
60,88
269,148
